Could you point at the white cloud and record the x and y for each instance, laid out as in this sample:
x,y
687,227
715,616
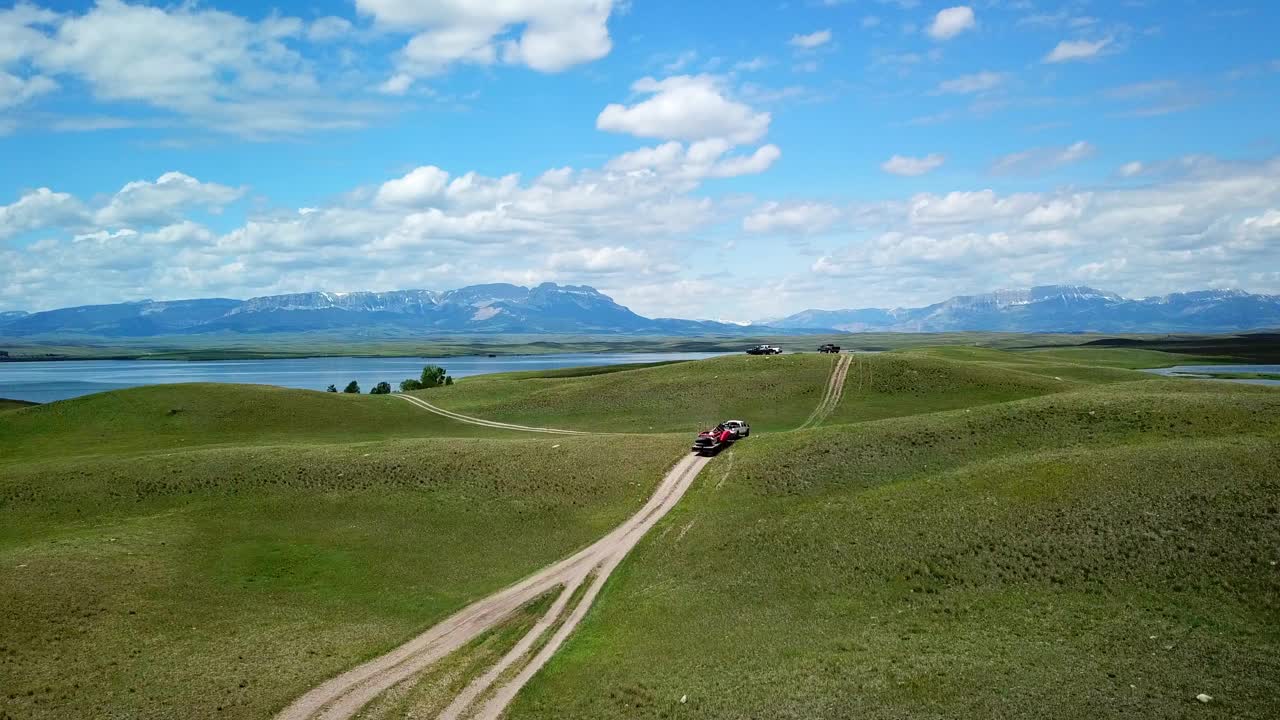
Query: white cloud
x,y
812,40
420,186
1072,50
966,207
329,28
792,217
39,209
752,65
685,107
599,261
1212,225
397,84
1041,160
546,35
165,201
912,166
213,68
951,22
1131,169
975,83
703,159
15,90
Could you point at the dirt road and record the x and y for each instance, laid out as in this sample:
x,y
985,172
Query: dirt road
x,y
344,695
414,400
834,391
489,694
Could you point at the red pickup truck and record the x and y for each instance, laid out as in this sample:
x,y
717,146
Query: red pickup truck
x,y
710,442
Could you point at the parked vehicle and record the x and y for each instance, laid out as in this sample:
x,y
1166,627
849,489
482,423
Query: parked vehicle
x,y
739,427
829,348
765,350
710,442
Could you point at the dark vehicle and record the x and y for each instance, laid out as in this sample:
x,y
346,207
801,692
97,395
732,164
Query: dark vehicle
x,y
829,348
710,442
765,350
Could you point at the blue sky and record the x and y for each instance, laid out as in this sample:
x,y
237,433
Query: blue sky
x,y
822,153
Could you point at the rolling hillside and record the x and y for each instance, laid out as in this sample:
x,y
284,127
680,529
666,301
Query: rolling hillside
x,y
1102,553
972,532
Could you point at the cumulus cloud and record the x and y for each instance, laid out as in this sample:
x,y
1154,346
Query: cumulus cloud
x,y
1042,160
951,22
703,159
599,261
40,209
1131,169
975,83
685,107
428,227
329,28
212,68
546,35
165,201
16,90
913,166
1072,50
791,217
418,187
1214,224
812,40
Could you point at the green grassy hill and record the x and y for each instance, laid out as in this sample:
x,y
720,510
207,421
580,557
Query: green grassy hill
x,y
1102,553
6,404
168,417
972,533
776,393
223,582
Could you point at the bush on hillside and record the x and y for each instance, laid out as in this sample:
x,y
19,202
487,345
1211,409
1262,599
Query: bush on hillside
x,y
352,387
382,388
332,388
432,376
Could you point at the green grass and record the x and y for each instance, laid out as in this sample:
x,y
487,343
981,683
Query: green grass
x,y
169,417
236,578
6,404
1246,376
974,532
773,393
1101,553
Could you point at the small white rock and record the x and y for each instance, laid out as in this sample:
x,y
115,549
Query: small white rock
x,y
1204,698
684,699
553,447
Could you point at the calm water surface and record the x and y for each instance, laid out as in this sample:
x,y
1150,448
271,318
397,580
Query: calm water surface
x,y
59,380
1202,371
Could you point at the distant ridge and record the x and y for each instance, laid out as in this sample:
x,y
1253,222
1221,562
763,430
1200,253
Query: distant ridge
x,y
1058,308
582,310
496,308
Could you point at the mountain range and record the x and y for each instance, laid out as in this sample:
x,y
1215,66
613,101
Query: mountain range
x,y
1056,308
496,308
583,310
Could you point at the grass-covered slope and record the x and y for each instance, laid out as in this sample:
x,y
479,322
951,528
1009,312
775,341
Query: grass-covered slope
x,y
7,404
773,393
199,414
1102,553
224,582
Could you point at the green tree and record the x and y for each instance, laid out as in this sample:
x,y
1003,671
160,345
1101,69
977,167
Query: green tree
x,y
353,388
382,388
435,376
432,376
332,388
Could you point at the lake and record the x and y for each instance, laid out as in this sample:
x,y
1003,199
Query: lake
x,y
1202,371
58,380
